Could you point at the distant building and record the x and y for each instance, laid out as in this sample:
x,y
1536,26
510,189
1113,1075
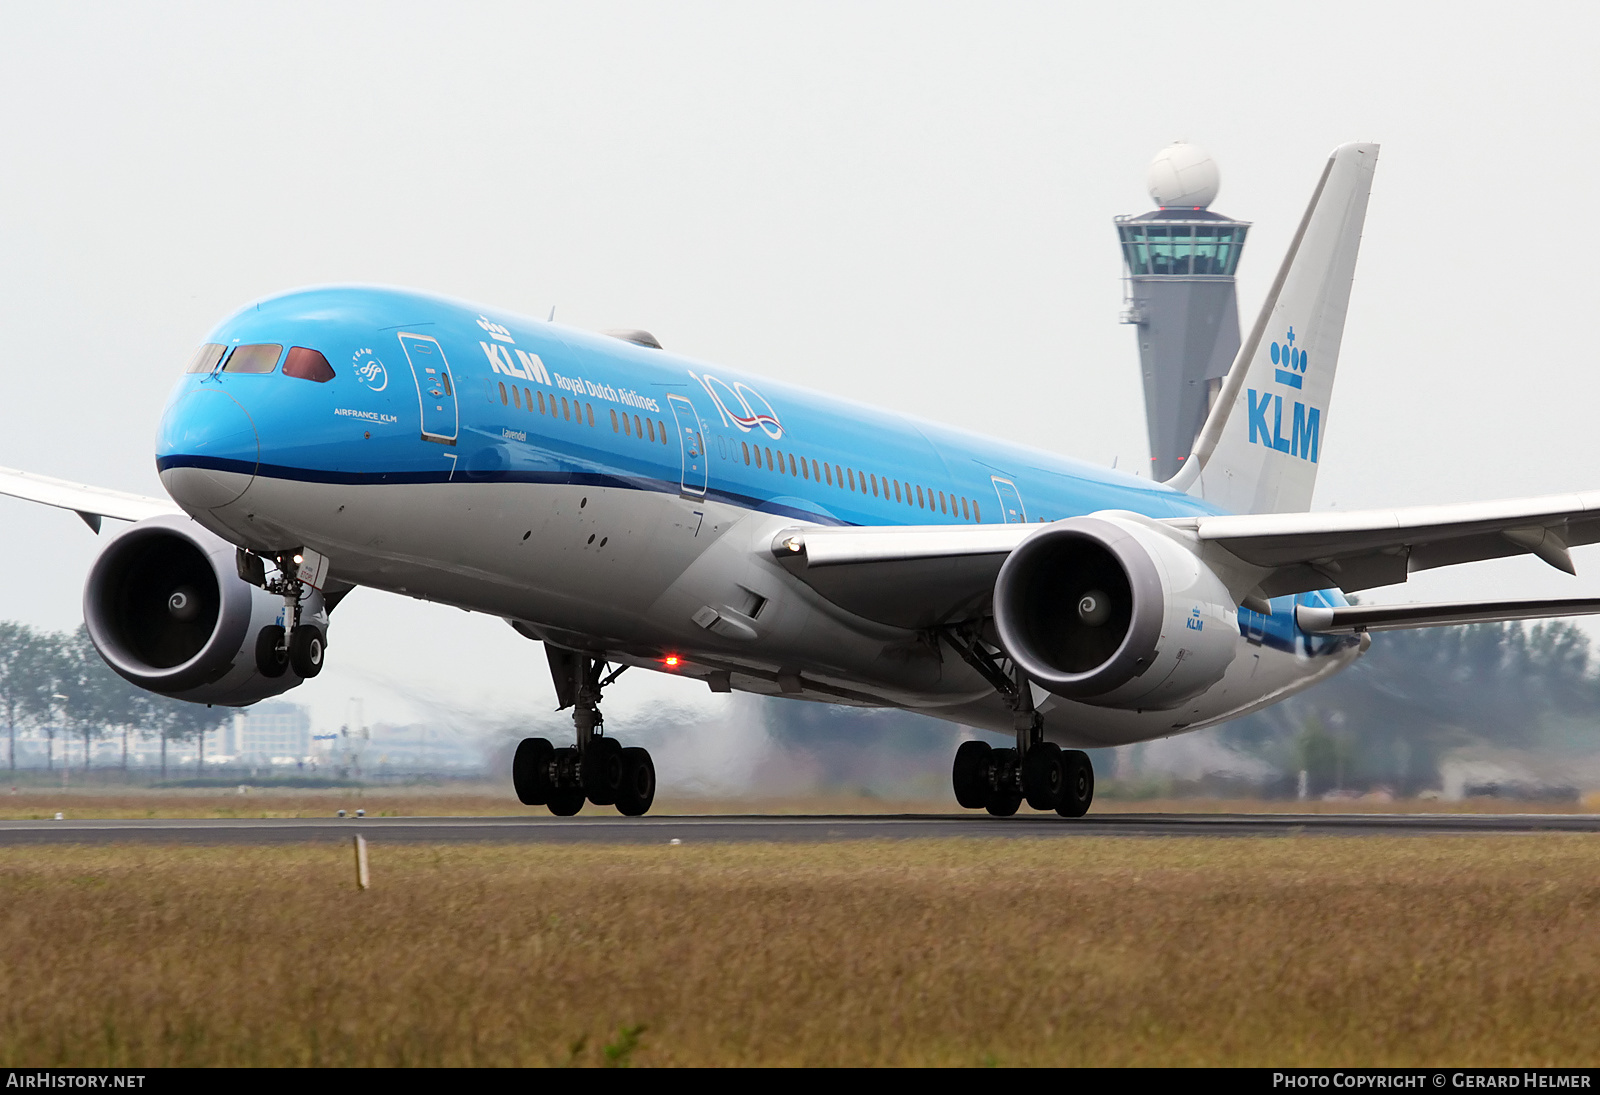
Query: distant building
x,y
1180,262
269,730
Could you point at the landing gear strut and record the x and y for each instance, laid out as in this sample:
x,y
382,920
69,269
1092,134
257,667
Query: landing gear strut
x,y
1039,772
596,767
297,643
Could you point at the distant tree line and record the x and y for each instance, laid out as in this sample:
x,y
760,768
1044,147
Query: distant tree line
x,y
1417,695
1389,720
56,683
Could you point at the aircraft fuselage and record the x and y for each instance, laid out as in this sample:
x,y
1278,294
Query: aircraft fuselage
x,y
620,499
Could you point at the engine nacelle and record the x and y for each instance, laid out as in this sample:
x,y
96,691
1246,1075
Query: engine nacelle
x,y
1108,611
167,610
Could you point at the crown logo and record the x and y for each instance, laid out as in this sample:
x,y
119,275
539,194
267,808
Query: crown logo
x,y
1292,359
502,334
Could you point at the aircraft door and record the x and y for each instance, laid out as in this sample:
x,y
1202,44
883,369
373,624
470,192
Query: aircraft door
x,y
1010,501
436,389
692,444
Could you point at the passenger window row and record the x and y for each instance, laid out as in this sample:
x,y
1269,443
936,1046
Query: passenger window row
x,y
523,399
951,505
636,428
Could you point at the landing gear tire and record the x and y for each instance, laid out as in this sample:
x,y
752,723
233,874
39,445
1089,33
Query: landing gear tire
x,y
601,772
638,787
564,795
530,771
1044,776
1003,798
306,649
1003,803
970,774
565,801
271,658
1077,792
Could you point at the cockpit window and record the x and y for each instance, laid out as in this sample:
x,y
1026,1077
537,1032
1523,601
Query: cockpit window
x,y
260,358
307,365
206,357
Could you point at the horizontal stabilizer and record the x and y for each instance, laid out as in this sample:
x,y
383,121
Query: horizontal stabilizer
x,y
90,503
1344,621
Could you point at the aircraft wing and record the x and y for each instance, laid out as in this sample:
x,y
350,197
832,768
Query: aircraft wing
x,y
929,575
1365,548
90,503
913,576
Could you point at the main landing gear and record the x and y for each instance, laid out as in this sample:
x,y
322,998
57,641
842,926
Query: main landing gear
x,y
1038,772
597,767
1048,778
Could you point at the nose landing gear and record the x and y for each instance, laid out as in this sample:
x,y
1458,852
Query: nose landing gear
x,y
297,643
596,768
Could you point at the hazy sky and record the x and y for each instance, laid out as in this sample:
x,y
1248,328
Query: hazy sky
x,y
907,204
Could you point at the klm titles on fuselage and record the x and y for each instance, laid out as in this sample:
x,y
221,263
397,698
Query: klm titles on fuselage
x,y
1265,409
530,368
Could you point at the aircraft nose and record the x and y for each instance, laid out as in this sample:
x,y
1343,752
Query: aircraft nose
x,y
207,450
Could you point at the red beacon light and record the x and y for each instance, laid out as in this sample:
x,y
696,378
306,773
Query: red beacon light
x,y
670,661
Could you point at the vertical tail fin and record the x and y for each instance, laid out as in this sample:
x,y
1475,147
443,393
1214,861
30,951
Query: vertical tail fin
x,y
1259,449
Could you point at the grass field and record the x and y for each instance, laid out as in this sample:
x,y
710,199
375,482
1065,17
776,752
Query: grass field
x,y
1283,951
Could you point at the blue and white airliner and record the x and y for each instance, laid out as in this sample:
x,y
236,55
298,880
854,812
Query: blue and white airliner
x,y
631,508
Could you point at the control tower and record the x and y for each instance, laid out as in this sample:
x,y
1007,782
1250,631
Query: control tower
x,y
1180,260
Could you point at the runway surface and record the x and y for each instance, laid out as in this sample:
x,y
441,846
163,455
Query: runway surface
x,y
602,829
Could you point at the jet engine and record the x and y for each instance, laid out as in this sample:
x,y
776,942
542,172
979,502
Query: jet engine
x,y
1109,611
167,610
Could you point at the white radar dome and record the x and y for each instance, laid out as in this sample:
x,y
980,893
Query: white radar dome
x,y
1183,175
